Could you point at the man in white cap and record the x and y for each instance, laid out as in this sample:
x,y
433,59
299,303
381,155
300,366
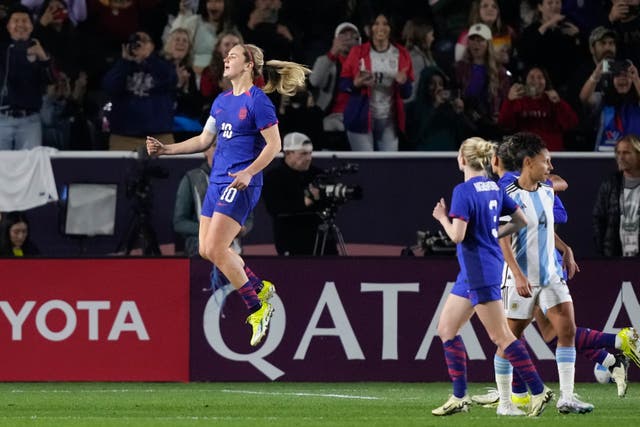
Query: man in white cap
x,y
325,73
292,199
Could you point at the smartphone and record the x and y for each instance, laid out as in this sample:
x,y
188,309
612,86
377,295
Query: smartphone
x,y
60,14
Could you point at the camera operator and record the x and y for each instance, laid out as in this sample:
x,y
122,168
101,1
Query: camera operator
x,y
142,87
293,201
25,71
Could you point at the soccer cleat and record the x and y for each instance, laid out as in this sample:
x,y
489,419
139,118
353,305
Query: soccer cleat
x,y
619,373
521,402
453,406
489,398
267,291
539,402
572,405
629,344
259,322
509,409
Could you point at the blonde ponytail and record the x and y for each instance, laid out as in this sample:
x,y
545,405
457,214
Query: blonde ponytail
x,y
285,77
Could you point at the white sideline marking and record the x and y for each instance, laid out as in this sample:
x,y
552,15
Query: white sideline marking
x,y
339,396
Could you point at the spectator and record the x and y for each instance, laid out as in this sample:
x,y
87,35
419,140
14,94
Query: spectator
x,y
109,25
56,32
620,109
326,72
418,36
537,108
211,82
616,213
65,121
293,201
26,71
488,12
551,42
587,85
142,87
204,22
76,9
299,112
265,28
449,19
483,82
377,75
14,240
189,100
624,17
435,120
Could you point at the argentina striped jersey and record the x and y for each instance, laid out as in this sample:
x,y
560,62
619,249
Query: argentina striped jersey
x,y
534,245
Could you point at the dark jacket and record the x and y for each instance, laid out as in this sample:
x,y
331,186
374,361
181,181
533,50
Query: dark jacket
x,y
143,96
25,81
606,217
294,224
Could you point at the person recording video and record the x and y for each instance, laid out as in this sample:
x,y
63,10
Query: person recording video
x,y
294,201
25,71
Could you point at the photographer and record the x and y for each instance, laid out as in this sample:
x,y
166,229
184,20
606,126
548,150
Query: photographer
x,y
25,71
293,201
142,87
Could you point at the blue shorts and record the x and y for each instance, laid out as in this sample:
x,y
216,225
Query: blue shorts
x,y
234,203
475,295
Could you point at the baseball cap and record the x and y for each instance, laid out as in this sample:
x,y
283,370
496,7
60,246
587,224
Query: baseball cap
x,y
601,32
295,141
480,30
346,26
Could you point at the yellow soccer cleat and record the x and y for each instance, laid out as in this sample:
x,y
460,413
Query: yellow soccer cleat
x,y
259,322
629,344
267,291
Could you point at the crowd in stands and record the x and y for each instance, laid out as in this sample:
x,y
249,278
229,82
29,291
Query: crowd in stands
x,y
387,76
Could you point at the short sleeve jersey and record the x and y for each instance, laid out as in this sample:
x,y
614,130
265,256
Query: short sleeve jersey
x,y
534,245
239,120
480,202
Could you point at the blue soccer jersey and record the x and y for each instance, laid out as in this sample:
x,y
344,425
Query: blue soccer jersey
x,y
239,120
480,202
534,245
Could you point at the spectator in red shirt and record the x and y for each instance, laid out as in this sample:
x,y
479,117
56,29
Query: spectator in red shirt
x,y
537,108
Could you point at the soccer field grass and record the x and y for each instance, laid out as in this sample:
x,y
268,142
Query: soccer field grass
x,y
280,404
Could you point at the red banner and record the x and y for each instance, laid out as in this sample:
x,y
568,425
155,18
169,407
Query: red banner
x,y
94,320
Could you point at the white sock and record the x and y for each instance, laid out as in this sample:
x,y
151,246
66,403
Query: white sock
x,y
566,361
504,377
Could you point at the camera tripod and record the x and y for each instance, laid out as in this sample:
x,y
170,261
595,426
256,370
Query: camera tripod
x,y
328,228
140,230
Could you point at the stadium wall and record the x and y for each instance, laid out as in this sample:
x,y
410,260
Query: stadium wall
x,y
336,319
400,190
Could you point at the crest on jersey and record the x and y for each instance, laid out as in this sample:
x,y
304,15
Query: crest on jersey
x,y
242,114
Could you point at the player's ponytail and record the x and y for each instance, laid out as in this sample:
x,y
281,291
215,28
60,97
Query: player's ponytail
x,y
282,76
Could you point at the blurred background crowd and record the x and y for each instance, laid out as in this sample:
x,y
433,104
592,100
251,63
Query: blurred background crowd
x,y
388,76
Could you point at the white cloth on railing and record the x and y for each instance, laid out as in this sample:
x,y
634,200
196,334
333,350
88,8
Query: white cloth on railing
x,y
26,179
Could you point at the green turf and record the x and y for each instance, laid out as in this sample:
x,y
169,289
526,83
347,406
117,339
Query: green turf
x,y
280,404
